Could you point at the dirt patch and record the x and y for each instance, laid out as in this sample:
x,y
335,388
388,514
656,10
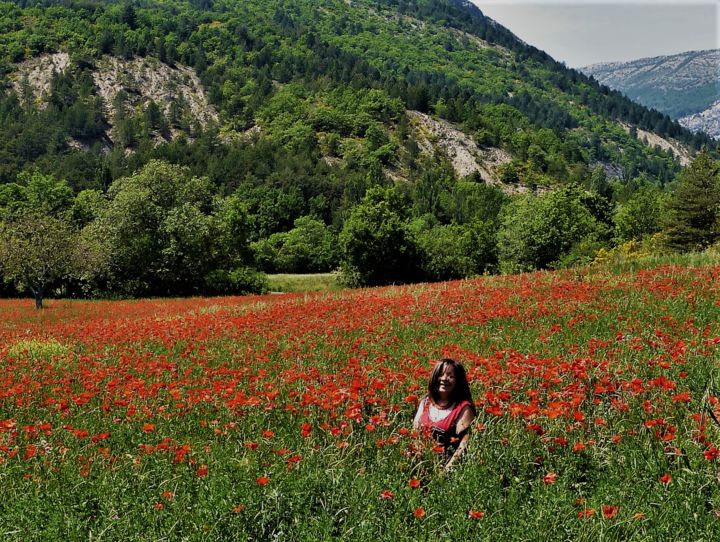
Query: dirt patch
x,y
680,151
465,156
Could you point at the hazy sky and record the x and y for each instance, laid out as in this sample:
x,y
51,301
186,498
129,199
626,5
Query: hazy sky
x,y
582,32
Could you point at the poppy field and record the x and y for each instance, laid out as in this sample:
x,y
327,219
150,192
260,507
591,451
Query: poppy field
x,y
288,417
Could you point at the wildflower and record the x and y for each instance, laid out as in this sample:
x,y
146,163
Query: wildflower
x,y
666,478
586,513
238,508
419,512
609,511
167,495
387,494
262,480
414,483
476,514
202,471
550,478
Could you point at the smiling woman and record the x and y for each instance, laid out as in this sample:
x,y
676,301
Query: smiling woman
x,y
447,412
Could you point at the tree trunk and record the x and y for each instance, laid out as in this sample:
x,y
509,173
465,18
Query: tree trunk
x,y
38,299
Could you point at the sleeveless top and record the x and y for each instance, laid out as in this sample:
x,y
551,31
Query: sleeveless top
x,y
444,431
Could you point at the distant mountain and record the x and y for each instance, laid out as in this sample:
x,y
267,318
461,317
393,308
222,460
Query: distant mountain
x,y
685,86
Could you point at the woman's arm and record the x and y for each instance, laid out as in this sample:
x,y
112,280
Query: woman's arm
x,y
467,416
418,414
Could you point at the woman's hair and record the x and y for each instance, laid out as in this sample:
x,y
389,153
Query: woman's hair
x,y
461,392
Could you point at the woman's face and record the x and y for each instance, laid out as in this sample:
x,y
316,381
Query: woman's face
x,y
446,382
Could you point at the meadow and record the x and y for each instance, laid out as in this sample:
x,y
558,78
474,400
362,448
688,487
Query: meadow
x,y
288,417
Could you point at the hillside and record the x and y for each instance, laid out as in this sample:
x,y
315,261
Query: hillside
x,y
685,86
190,144
437,57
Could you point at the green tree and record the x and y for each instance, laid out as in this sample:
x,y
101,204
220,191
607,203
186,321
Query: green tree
x,y
159,231
537,231
694,209
37,251
642,215
377,244
455,251
36,193
310,247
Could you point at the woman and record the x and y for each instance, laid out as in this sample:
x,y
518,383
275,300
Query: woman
x,y
447,411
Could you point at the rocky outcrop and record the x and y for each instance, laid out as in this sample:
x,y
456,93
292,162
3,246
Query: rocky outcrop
x,y
707,121
140,79
465,156
680,151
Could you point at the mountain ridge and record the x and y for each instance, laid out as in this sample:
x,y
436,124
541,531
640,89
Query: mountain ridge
x,y
683,85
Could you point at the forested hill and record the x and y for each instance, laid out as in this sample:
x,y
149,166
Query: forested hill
x,y
291,114
256,59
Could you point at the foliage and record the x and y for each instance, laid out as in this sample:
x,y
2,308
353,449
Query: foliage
x,y
642,215
457,251
37,251
536,232
377,242
159,231
693,210
310,247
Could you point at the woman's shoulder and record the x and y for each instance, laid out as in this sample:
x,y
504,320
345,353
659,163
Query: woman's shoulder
x,y
464,406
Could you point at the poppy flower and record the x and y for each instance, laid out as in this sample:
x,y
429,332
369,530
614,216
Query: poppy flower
x,y
262,480
666,478
202,471
387,494
550,478
419,512
586,513
609,511
476,514
414,483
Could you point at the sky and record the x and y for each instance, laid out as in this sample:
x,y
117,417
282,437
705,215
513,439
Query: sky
x,y
583,32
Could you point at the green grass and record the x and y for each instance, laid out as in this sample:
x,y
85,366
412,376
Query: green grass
x,y
312,282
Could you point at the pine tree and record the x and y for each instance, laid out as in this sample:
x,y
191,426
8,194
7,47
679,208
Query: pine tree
x,y
695,207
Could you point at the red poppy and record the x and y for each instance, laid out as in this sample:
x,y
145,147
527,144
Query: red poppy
x,y
550,478
414,483
262,480
609,511
387,494
666,478
419,512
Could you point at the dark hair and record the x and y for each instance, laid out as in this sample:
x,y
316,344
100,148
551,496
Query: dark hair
x,y
462,388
